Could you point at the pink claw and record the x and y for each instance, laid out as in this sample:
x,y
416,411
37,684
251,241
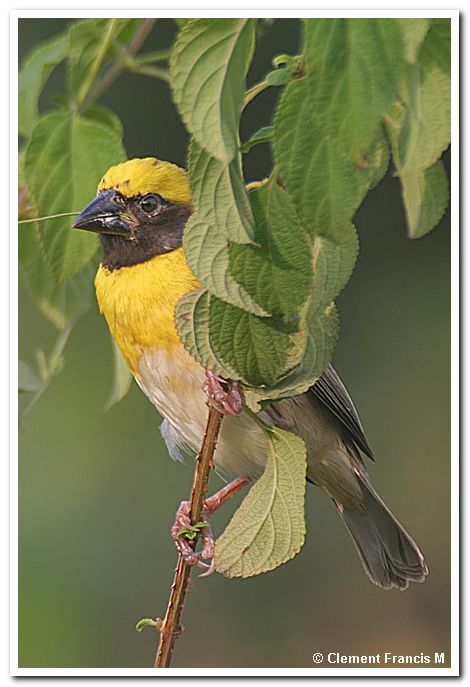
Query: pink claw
x,y
226,400
183,520
183,545
209,571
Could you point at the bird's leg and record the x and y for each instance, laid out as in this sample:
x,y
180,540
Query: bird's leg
x,y
184,532
224,395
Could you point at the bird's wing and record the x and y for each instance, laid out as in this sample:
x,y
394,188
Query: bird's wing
x,y
330,390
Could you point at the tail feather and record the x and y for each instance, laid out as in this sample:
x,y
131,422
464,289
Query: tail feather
x,y
390,556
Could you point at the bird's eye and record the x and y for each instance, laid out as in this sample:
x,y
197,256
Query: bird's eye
x,y
150,203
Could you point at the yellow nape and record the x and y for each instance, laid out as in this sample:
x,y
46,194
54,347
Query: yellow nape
x,y
139,301
148,175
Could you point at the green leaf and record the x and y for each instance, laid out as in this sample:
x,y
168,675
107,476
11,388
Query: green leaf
x,y
256,347
33,75
84,41
28,381
278,77
122,377
206,252
286,66
237,345
268,528
414,32
223,213
354,68
192,533
277,270
103,115
419,131
437,45
218,193
208,67
192,323
425,195
181,22
232,342
326,185
58,303
148,622
65,159
291,61
320,336
263,135
333,262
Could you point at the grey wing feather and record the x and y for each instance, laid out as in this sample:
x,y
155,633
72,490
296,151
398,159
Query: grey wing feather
x,y
330,390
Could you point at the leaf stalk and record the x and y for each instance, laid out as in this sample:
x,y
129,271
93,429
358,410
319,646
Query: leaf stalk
x,y
155,72
119,64
90,77
255,90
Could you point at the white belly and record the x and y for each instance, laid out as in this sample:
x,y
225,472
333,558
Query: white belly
x,y
173,382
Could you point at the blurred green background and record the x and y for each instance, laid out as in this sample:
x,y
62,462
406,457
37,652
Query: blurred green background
x,y
98,491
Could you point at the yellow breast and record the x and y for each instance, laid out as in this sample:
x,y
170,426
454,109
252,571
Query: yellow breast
x,y
139,302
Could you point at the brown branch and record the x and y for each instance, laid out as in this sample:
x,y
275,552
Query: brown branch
x,y
170,627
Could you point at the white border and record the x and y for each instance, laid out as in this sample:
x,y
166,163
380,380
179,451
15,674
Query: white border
x,y
235,672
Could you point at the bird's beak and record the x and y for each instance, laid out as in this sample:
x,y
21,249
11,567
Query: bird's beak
x,y
104,215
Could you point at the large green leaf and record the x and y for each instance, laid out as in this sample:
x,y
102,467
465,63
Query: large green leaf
x,y
256,347
206,252
181,22
333,263
192,322
103,115
32,77
59,303
353,67
414,31
232,342
419,131
425,196
208,68
223,213
319,338
437,44
65,159
218,192
268,528
85,39
277,269
325,183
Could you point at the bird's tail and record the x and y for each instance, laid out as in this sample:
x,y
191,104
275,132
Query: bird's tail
x,y
389,555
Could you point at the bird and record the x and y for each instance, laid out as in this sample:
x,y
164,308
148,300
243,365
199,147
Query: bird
x,y
140,212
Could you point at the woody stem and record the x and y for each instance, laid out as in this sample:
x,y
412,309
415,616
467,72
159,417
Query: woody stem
x,y
171,626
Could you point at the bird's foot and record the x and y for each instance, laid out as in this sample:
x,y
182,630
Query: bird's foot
x,y
184,534
224,395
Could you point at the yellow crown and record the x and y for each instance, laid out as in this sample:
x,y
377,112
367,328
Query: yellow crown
x,y
148,175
